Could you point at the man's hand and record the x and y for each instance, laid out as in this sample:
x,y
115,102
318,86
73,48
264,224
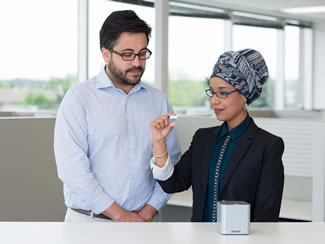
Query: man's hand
x,y
147,213
118,214
131,217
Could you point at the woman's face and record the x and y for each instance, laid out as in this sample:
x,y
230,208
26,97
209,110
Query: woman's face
x,y
230,109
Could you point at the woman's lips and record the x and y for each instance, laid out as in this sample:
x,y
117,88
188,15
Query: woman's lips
x,y
217,110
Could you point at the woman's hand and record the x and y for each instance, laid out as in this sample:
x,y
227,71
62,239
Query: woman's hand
x,y
161,127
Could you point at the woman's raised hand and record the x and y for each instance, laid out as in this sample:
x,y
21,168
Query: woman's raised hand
x,y
161,127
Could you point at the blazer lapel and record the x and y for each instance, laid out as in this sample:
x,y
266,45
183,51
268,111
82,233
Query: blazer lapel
x,y
208,145
239,152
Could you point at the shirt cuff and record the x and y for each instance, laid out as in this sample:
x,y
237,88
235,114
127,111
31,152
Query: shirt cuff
x,y
101,203
159,198
163,173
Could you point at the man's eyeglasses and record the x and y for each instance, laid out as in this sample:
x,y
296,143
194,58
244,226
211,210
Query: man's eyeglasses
x,y
129,56
219,94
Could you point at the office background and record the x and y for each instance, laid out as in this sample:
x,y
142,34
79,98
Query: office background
x,y
48,46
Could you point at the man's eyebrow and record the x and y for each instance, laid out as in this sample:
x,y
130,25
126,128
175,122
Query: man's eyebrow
x,y
132,50
127,50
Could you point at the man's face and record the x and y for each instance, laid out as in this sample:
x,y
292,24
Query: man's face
x,y
126,73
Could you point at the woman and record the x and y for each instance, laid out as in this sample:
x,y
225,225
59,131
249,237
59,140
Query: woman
x,y
236,161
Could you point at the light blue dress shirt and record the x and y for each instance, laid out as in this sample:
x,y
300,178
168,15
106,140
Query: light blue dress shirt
x,y
103,145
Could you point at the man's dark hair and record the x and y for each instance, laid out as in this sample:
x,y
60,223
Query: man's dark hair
x,y
119,22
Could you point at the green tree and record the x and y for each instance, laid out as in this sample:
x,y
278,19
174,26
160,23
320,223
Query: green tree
x,y
187,93
41,101
29,99
60,86
38,100
3,84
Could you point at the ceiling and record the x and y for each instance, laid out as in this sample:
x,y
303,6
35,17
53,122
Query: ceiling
x,y
271,7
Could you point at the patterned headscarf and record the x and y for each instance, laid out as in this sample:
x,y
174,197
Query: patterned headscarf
x,y
245,70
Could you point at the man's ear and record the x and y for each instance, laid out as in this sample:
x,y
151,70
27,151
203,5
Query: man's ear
x,y
106,55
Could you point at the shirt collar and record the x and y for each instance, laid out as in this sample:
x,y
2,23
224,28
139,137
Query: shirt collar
x,y
102,80
237,131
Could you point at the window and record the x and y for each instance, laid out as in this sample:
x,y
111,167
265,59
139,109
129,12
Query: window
x,y
193,54
38,53
98,12
194,47
291,66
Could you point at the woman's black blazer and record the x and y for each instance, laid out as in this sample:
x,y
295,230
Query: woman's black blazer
x,y
254,173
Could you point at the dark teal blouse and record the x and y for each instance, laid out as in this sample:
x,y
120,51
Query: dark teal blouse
x,y
235,135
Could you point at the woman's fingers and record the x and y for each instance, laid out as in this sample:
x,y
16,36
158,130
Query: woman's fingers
x,y
162,124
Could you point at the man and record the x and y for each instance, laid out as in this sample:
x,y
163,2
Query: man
x,y
103,142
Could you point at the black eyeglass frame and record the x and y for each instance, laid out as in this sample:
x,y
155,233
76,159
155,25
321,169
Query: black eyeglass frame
x,y
220,94
122,55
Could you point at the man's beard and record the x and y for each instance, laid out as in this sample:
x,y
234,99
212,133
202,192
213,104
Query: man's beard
x,y
121,77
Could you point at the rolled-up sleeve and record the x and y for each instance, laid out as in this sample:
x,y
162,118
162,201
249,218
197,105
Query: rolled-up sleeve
x,y
159,198
71,149
161,173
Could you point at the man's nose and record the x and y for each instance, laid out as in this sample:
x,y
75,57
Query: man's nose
x,y
136,61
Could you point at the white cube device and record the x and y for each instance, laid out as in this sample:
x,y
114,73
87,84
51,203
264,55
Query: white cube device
x,y
233,217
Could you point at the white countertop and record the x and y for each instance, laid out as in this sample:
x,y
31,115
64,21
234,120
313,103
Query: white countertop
x,y
156,233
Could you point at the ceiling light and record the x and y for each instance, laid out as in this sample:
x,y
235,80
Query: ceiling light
x,y
304,10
